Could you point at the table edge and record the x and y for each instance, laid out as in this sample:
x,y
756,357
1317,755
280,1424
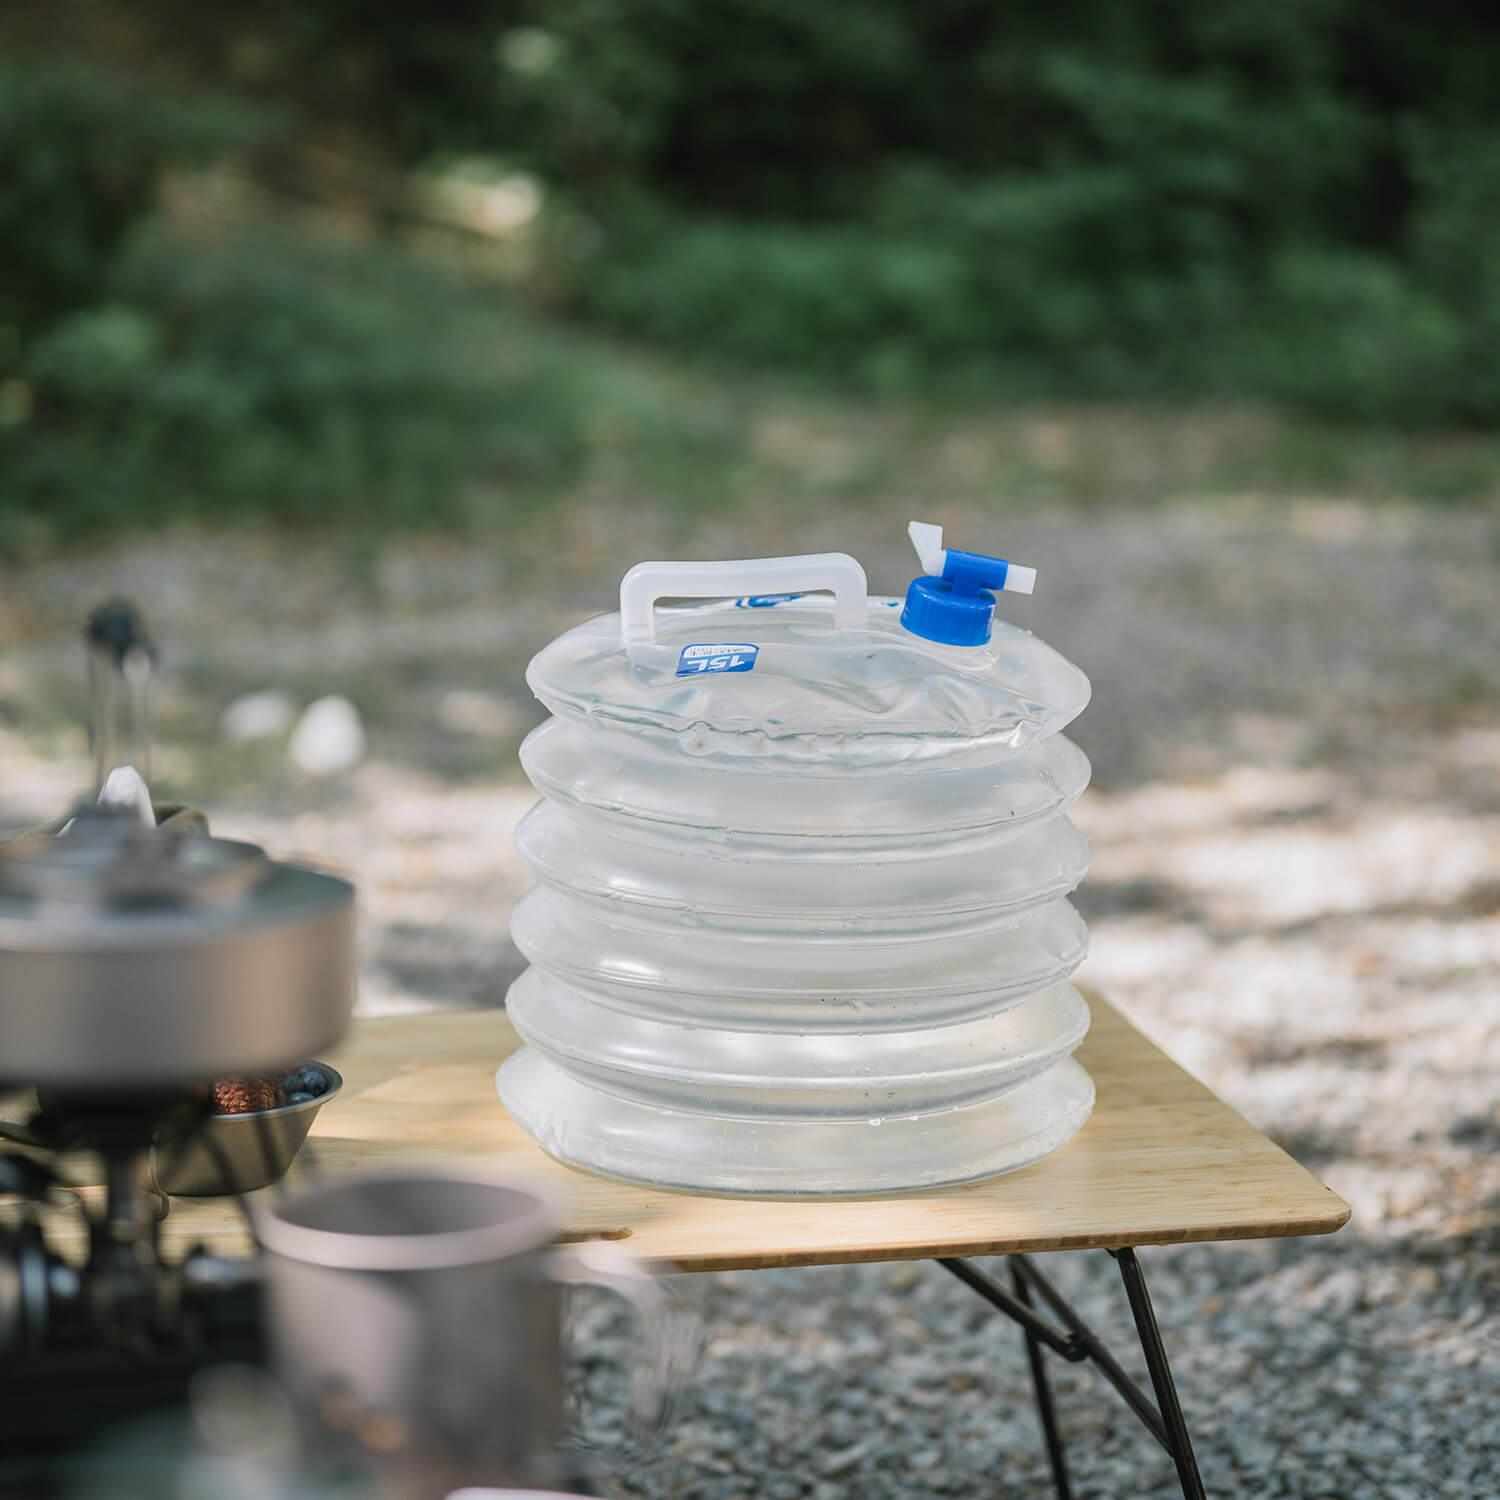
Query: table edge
x,y
1305,1229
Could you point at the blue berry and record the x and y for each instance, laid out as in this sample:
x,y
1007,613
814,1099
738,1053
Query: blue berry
x,y
300,1096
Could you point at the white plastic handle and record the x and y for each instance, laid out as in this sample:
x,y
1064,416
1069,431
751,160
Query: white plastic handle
x,y
647,582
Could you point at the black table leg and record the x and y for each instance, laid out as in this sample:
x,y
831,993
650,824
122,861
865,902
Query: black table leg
x,y
1181,1444
1078,1343
1043,1387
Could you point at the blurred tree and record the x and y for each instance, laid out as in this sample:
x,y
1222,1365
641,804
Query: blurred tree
x,y
1139,197
81,154
1093,195
144,373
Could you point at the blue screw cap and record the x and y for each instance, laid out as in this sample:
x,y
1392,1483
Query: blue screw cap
x,y
954,603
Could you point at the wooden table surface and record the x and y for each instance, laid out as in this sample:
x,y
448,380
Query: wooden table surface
x,y
1162,1160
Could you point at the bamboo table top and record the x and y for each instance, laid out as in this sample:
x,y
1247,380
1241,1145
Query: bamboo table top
x,y
1162,1160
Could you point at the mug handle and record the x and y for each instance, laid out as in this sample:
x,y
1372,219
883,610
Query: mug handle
x,y
668,1330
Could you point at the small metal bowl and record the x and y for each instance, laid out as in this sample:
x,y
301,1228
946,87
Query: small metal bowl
x,y
239,1153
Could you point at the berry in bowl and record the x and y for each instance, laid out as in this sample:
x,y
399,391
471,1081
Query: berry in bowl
x,y
249,1138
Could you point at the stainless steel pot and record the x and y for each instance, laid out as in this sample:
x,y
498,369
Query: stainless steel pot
x,y
134,957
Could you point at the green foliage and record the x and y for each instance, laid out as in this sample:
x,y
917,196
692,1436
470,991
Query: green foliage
x,y
142,372
269,376
1410,338
1095,197
1453,250
404,81
81,153
1294,201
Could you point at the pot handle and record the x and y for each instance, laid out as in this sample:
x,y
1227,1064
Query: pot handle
x,y
816,572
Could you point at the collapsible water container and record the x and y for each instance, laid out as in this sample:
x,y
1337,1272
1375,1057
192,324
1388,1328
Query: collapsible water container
x,y
800,922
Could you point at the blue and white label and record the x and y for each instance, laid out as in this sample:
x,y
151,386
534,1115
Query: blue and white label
x,y
763,601
717,656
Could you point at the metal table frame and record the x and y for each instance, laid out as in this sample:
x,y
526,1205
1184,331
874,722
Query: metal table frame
x,y
1078,1343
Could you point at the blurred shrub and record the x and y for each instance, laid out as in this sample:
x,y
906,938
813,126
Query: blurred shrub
x,y
265,375
1133,198
1409,337
1349,335
81,153
1126,198
832,300
1047,287
1453,250
141,375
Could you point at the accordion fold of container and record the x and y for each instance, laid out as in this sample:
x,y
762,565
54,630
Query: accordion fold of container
x,y
800,923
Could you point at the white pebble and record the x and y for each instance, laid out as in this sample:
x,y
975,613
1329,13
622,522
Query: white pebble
x,y
329,737
257,716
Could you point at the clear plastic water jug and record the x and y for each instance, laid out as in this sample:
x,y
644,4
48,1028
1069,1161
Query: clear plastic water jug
x,y
800,922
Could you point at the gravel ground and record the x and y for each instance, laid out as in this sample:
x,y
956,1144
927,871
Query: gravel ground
x,y
1296,890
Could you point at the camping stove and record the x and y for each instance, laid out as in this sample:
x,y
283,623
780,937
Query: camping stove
x,y
137,966
141,960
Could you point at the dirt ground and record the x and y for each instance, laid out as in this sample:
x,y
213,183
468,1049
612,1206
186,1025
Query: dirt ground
x,y
1295,823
